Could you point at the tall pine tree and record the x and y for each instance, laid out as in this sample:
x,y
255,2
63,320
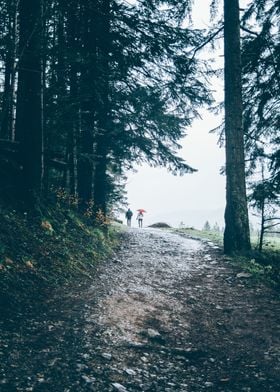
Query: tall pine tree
x,y
236,235
29,132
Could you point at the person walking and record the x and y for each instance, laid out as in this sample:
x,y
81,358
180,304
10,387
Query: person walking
x,y
140,217
128,216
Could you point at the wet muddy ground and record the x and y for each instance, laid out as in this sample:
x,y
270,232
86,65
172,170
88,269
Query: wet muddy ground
x,y
166,313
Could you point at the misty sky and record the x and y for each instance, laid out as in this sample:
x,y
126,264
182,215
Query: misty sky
x,y
193,198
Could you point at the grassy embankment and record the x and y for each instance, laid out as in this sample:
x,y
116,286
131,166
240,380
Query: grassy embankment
x,y
263,265
58,247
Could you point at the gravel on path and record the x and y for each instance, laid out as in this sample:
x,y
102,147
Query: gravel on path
x,y
166,313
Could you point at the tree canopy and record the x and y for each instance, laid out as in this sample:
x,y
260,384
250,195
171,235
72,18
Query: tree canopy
x,y
89,89
117,84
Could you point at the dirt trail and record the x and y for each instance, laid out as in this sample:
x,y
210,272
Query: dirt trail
x,y
166,313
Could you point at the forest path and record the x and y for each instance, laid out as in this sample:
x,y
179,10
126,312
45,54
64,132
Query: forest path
x,y
166,313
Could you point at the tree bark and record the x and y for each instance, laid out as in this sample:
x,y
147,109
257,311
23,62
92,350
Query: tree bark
x,y
262,226
87,108
73,49
236,235
72,134
8,104
29,129
102,139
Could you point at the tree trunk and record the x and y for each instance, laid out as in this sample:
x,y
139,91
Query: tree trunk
x,y
44,46
237,235
102,140
263,202
262,226
85,160
72,131
8,105
100,178
72,134
29,130
87,109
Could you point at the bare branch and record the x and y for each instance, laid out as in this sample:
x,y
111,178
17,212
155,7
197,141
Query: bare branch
x,y
209,39
272,219
268,227
249,31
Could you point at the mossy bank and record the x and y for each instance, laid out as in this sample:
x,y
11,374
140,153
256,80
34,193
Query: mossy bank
x,y
41,252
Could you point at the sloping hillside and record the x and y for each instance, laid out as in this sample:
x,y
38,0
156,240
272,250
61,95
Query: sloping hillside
x,y
38,253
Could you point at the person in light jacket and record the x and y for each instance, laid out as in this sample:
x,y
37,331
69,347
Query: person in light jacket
x,y
140,217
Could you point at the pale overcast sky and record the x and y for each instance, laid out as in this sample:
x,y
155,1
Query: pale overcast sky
x,y
193,198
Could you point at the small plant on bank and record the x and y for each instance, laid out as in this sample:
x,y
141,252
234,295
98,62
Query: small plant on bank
x,y
262,265
37,254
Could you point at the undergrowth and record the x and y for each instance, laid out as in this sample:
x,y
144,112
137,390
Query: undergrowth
x,y
263,266
39,253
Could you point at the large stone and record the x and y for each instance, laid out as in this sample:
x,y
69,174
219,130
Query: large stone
x,y
131,372
242,275
119,387
152,333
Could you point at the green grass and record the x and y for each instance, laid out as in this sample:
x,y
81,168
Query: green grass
x,y
213,236
264,266
56,248
270,243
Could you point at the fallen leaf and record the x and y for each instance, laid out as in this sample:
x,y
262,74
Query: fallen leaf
x,y
29,264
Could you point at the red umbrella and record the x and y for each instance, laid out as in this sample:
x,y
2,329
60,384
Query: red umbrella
x,y
141,210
